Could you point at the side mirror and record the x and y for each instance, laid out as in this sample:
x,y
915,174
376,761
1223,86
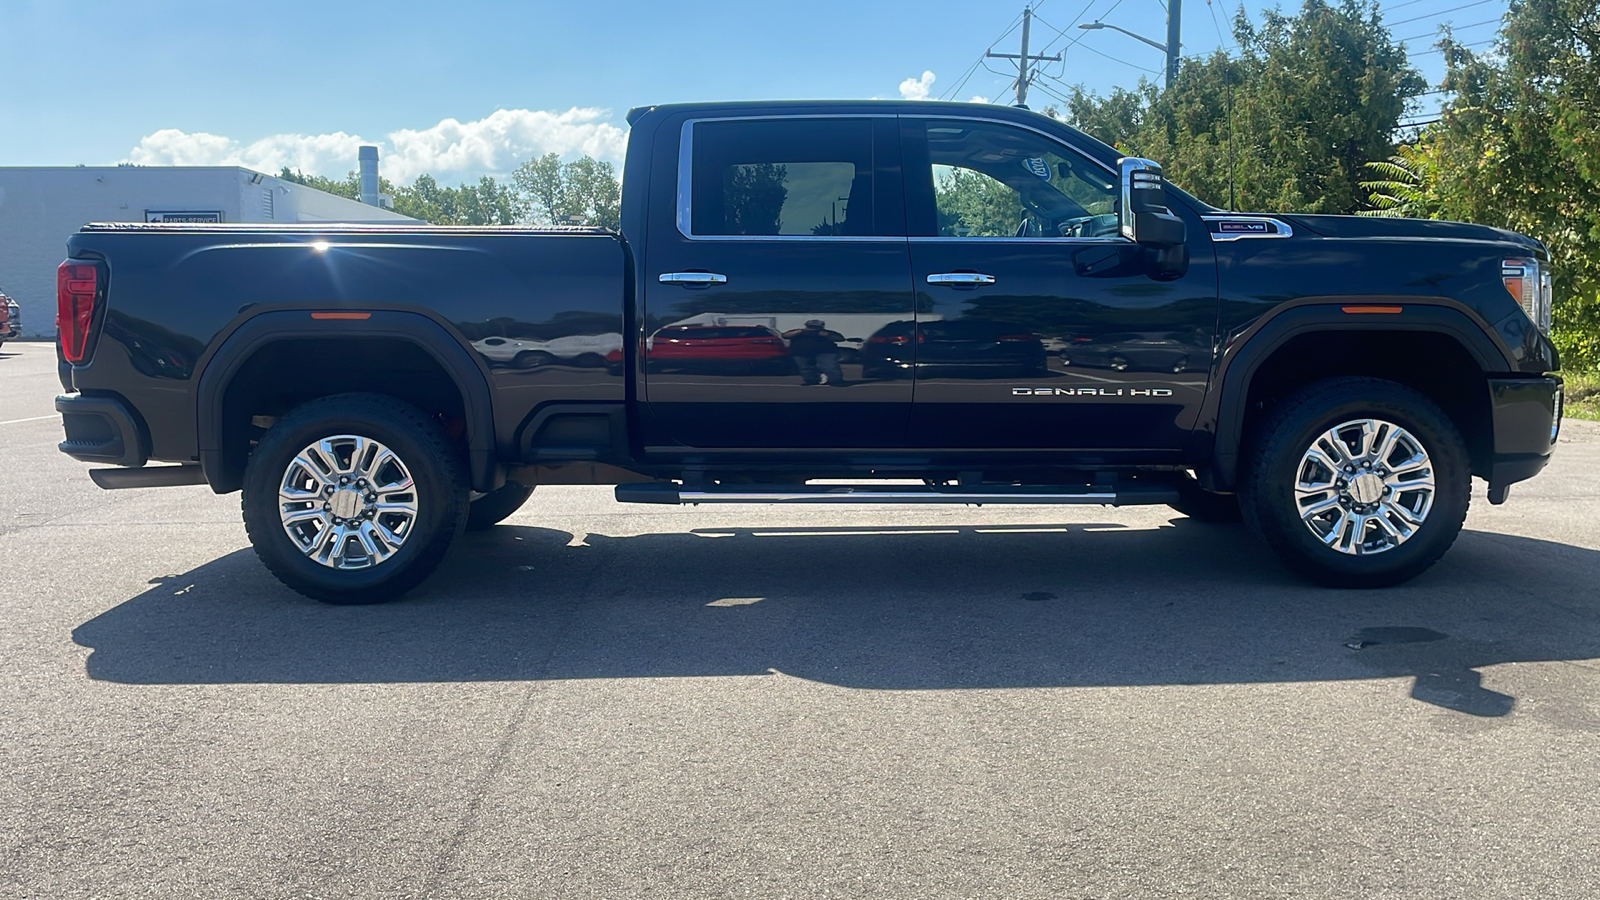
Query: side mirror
x,y
1144,217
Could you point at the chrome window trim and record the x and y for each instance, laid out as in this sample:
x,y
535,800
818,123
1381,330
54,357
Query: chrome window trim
x,y
940,238
1284,231
686,174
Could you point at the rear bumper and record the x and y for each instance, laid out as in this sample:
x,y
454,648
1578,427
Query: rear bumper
x,y
1526,414
102,430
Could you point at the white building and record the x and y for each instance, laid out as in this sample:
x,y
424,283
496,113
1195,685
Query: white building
x,y
40,207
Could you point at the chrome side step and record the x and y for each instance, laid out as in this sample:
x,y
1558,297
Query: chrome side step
x,y
674,493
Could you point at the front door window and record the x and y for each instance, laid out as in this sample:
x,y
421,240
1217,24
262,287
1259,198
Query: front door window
x,y
992,181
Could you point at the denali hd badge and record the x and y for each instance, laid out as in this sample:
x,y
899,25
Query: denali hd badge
x,y
1090,392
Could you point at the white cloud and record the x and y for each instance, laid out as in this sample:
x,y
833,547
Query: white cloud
x,y
917,88
451,151
978,98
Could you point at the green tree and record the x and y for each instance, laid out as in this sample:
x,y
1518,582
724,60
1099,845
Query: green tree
x,y
549,191
485,203
1518,147
1290,122
1403,185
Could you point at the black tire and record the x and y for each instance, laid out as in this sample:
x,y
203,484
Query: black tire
x,y
1267,489
437,468
1202,505
492,508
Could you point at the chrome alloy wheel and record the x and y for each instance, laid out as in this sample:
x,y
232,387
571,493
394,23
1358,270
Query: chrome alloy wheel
x,y
1364,486
348,502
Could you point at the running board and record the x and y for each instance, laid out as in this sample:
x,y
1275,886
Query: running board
x,y
147,476
671,492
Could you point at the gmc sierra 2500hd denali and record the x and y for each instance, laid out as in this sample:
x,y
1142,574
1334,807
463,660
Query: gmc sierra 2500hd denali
x,y
976,297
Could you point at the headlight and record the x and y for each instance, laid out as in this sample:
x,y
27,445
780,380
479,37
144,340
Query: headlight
x,y
1530,285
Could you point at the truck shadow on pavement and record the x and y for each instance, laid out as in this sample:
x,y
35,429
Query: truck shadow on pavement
x,y
895,608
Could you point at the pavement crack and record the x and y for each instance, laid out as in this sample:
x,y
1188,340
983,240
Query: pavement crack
x,y
479,790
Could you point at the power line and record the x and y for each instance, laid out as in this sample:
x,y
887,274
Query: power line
x,y
1041,86
956,89
1441,12
1062,33
1441,50
1418,37
1221,41
1123,61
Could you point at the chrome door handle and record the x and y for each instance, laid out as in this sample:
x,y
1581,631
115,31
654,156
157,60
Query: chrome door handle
x,y
692,278
961,278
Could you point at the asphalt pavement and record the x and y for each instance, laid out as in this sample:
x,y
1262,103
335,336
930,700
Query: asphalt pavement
x,y
595,700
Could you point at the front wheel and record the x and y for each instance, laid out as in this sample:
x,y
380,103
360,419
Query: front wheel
x,y
1358,482
354,498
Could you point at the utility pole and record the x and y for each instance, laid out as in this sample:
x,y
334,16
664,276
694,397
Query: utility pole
x,y
1174,41
1173,48
1024,71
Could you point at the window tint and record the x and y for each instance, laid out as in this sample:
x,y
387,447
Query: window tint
x,y
810,177
993,180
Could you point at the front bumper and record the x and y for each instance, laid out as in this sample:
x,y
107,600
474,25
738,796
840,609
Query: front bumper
x,y
1526,419
101,429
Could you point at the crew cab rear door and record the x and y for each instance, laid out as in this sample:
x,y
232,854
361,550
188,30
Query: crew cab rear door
x,y
758,226
1038,325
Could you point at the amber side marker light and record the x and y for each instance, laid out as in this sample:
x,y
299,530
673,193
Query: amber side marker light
x,y
1386,310
341,315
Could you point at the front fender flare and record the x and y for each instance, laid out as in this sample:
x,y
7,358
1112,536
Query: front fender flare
x,y
1221,445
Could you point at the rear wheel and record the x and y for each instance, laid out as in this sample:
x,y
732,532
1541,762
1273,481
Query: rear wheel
x,y
492,508
1358,482
354,498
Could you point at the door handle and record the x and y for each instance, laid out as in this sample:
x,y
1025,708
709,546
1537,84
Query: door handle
x,y
961,278
692,278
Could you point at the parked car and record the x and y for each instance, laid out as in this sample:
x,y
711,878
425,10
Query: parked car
x,y
582,350
10,319
1344,377
717,348
1138,351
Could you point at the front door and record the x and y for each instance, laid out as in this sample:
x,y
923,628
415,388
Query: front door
x,y
1038,326
787,252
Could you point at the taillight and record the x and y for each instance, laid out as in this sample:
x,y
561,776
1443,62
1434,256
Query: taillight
x,y
1017,337
76,284
898,340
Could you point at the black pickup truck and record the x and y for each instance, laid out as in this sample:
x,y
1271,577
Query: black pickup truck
x,y
943,303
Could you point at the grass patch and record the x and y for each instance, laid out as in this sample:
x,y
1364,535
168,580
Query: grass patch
x,y
1583,395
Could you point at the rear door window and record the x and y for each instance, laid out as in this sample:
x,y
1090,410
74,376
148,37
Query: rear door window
x,y
797,177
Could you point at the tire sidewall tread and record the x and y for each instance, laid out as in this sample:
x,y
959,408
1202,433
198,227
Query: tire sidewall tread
x,y
437,466
1274,463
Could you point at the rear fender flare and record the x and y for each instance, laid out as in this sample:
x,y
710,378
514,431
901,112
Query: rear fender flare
x,y
1225,407
267,328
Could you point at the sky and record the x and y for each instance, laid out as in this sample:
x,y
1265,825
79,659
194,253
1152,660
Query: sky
x,y
471,87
